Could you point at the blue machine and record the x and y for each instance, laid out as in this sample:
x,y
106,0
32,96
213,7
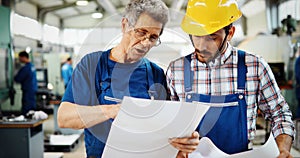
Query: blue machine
x,y
6,58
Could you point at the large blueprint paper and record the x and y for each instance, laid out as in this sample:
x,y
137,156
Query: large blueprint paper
x,y
206,149
143,127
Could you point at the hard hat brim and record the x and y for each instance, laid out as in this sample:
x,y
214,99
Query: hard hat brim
x,y
192,27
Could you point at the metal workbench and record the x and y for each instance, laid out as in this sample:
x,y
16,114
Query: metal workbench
x,y
21,139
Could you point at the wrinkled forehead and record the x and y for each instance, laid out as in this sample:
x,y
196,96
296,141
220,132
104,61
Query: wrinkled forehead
x,y
147,22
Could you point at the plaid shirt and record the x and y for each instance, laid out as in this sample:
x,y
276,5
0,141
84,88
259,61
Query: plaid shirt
x,y
219,77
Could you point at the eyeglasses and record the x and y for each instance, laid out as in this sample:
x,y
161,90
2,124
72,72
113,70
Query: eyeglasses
x,y
142,34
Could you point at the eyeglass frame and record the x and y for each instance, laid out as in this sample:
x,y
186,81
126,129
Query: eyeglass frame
x,y
157,42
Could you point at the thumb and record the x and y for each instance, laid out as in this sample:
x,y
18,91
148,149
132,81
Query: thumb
x,y
195,134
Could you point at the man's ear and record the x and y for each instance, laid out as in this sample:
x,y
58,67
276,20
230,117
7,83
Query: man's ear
x,y
231,33
125,25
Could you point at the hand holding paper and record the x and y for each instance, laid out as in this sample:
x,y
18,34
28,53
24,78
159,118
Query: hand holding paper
x,y
186,144
143,127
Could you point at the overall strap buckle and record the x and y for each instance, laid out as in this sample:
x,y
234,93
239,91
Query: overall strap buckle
x,y
189,95
241,93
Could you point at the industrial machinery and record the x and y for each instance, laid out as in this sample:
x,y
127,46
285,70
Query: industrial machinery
x,y
6,58
43,94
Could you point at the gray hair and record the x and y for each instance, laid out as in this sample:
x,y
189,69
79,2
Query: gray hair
x,y
157,9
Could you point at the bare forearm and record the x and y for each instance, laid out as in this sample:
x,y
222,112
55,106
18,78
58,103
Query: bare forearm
x,y
284,141
76,116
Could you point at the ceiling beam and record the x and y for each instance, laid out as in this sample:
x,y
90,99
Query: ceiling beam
x,y
43,11
175,8
99,7
108,6
75,8
72,16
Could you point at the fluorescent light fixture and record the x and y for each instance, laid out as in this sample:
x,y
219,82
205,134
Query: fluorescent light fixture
x,y
28,49
97,15
82,3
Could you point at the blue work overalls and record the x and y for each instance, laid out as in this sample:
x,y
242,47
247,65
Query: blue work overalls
x,y
225,126
104,87
27,77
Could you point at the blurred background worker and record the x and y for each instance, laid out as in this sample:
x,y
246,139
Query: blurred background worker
x,y
66,71
290,24
26,76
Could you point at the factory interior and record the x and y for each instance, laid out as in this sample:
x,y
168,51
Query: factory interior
x,y
51,31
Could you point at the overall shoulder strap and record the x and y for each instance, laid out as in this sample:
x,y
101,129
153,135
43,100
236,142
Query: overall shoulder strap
x,y
242,70
157,81
152,91
188,74
102,60
149,72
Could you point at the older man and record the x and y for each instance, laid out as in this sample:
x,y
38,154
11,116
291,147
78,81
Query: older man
x,y
117,72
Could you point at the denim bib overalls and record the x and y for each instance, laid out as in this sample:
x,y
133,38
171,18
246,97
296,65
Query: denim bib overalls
x,y
95,138
226,126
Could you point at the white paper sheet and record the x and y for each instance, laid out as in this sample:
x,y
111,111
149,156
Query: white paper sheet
x,y
206,149
63,139
143,127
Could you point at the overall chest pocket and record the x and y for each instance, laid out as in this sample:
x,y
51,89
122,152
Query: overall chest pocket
x,y
104,86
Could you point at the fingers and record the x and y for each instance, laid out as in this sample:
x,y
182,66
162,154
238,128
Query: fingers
x,y
184,147
193,140
185,141
186,144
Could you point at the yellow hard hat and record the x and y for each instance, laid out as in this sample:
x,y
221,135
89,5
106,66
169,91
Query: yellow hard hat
x,y
204,17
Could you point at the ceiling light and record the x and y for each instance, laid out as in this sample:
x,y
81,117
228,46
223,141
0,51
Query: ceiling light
x,y
82,3
28,49
97,15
